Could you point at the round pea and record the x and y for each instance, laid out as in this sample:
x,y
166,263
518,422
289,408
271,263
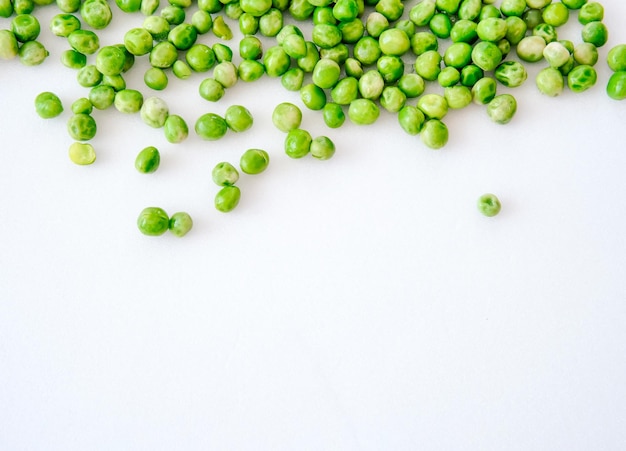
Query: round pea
x,y
224,174
616,58
484,90
110,60
581,78
297,143
550,81
73,59
491,29
82,153
154,112
591,12
82,105
254,161
326,73
333,115
211,127
434,134
595,33
434,106
486,55
25,27
32,53
411,119
96,13
48,105
148,160
556,54
276,61
9,47
153,221
210,89
227,198
394,41
238,118
156,78
392,99
555,14
489,205
440,25
458,55
363,111
180,224
128,101
531,48
81,127
457,97
175,129
313,96
163,55
616,87
502,108
322,148
138,41
511,74
286,116
428,65
63,24
586,53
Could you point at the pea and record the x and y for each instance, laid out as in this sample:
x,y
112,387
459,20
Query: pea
x,y
163,55
489,205
591,12
531,48
491,29
238,118
394,41
440,25
110,60
595,33
224,174
434,134
102,96
82,105
581,78
556,14
511,74
227,198
428,65
73,59
363,112
333,115
276,61
81,127
248,24
271,23
211,127
96,13
616,87
486,55
183,36
392,99
138,41
63,24
211,90
154,112
464,30
550,81
286,116
484,90
308,62
180,224
221,29
254,161
322,148
202,21
48,105
297,143
157,26
556,54
470,75
515,29
423,41
175,129
449,76
412,85
222,52
458,55
434,106
25,27
175,15
411,119
313,96
156,78
502,108
513,8
422,13
469,9
9,47
616,58
153,221
148,160
457,97
293,79
251,70
82,153
226,74
32,53
546,31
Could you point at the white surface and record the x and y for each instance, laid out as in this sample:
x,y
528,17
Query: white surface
x,y
356,304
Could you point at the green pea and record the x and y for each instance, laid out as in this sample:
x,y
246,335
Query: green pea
x,y
251,70
351,31
546,31
511,74
491,29
210,6
353,68
363,111
148,7
412,85
434,106
175,15
367,50
458,55
32,53
434,134
411,119
128,101
407,26
375,24
513,8
180,224
157,26
581,78
422,13
567,67
470,74
464,31
333,115
81,127
250,47
486,55
48,105
156,78
73,59
326,36
148,160
96,13
163,55
211,127
276,61
227,198
616,58
154,112
532,17
392,99
440,25
222,52
591,12
313,97
201,21
271,23
200,57
286,116
183,36
326,73
531,48
226,74
323,14
515,29
502,108
297,143
102,96
211,90
322,148
550,81
82,105
449,76
82,153
221,29
394,41
616,87
238,118
153,221
224,174
110,60
175,129
470,9
301,9
25,27
6,8
489,11
428,65
293,79
254,161
556,54
345,91
233,10
595,33
556,14
117,82
63,24
574,4
138,41
129,6
489,205
484,90
9,47
457,97
371,84
248,24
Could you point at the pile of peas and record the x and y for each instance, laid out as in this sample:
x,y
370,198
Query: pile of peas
x,y
361,56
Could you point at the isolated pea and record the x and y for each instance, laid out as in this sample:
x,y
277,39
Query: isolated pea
x,y
81,127
148,160
511,74
591,12
502,108
616,58
227,198
254,161
224,174
82,153
550,81
486,55
489,205
48,105
73,59
411,119
63,24
412,85
180,224
154,112
175,129
211,127
202,21
286,116
434,134
363,111
581,78
333,115
322,148
238,118
313,97
484,90
595,33
531,48
153,221
616,87
156,78
82,105
32,53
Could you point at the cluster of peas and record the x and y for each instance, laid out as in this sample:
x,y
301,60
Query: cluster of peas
x,y
354,64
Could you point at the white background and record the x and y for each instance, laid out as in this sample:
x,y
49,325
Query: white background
x,y
360,303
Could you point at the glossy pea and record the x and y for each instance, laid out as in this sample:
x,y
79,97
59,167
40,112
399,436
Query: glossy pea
x,y
297,143
363,112
153,221
333,115
238,118
211,127
227,198
48,105
175,129
148,160
254,161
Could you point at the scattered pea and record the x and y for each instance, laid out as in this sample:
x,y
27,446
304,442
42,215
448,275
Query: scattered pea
x,y
148,160
489,205
224,174
254,161
153,221
180,224
227,198
82,153
48,105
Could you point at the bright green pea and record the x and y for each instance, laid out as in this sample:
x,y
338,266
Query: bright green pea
x,y
117,82
333,115
515,29
308,62
227,198
313,97
441,25
394,41
326,36
9,47
48,105
581,78
181,70
180,224
591,12
154,112
128,101
25,27
82,105
595,33
156,78
138,41
363,112
567,67
254,161
422,13
211,127
434,106
448,6
326,73
82,153
449,76
491,29
201,21
81,127
224,174
210,6
211,90
457,97
271,23
489,205
222,52
464,31
175,15
200,57
251,70
546,31
531,48
616,58
148,160
412,85
339,53
351,31
129,6
322,148
470,74
183,36
248,24
486,55
434,134
367,50
84,41
73,59
276,61
96,13
301,9
293,79
163,55
294,45
6,8
392,99
63,24
428,65
101,96
489,11
297,143
375,24
238,118
345,91
286,116
574,4
550,81
175,129
411,119
221,29
251,48
323,14
484,90
556,14
391,9
513,8
502,108
256,7
458,55
371,85
353,68
157,26
616,87
511,74
538,4
153,221
470,9
110,60
233,10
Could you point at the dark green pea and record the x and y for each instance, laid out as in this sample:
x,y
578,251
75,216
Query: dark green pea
x,y
153,221
251,70
574,4
63,24
489,205
227,198
363,112
175,129
84,41
81,127
313,97
486,55
484,90
333,115
441,25
180,224
434,134
411,119
224,174
464,31
616,87
148,160
254,161
211,127
73,59
532,17
595,33
470,74
390,67
210,89
48,105
82,105
297,143
581,78
175,15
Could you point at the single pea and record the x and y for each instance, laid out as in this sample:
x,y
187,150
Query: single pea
x,y
325,35
201,21
486,55
538,4
297,143
148,160
574,4
449,76
63,24
392,99
221,29
238,118
313,97
25,27
211,127
546,31
394,41
556,54
117,82
434,106
333,115
616,58
110,60
271,23
502,108
469,9
181,70
81,127
73,59
464,30
9,47
363,112
96,13
532,17
102,96
458,55
224,174
163,55
129,6
301,9
323,14
411,119
595,33
345,91
353,68
441,25
326,73
175,129
434,134
250,47
422,13
367,50
586,53
251,70
157,26
226,74
511,74
457,97
211,90
371,85
153,221
352,31
210,6
513,8
428,65
32,53
183,36
423,41
581,78
567,67
555,14
491,29
550,81
470,74
412,85
138,41
248,24
154,112
308,62
227,198
616,87
293,79
322,148
222,52
156,78
484,90
233,10
175,15
276,61
531,48
180,224
6,8
489,205
591,12
515,29
82,153
489,11
82,105
254,161
48,105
